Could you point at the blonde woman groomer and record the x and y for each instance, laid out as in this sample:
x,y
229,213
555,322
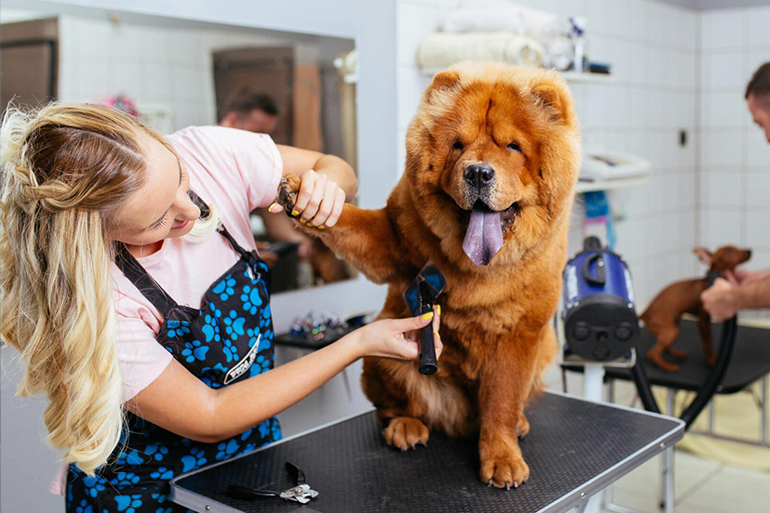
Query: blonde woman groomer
x,y
132,289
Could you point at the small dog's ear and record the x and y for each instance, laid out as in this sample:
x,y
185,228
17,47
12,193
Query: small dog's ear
x,y
704,255
443,81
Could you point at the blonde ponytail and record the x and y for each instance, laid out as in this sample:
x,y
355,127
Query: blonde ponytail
x,y
65,171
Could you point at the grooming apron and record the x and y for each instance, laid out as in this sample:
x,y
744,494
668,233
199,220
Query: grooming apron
x,y
228,340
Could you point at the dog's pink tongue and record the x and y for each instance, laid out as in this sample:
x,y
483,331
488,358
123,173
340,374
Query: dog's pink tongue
x,y
484,236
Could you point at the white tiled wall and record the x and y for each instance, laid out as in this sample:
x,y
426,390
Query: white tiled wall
x,y
157,66
653,50
734,156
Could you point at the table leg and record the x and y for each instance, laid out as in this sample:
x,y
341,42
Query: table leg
x,y
346,380
763,412
667,466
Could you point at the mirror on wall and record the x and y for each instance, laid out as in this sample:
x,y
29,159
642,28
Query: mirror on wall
x,y
171,73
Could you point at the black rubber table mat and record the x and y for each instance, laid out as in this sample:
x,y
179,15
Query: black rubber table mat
x,y
750,360
575,446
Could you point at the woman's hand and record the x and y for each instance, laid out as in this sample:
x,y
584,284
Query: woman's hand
x,y
398,338
319,202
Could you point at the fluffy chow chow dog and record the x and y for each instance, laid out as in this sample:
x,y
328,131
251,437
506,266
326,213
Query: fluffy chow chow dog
x,y
492,156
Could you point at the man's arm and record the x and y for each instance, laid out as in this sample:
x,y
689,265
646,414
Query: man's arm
x,y
723,299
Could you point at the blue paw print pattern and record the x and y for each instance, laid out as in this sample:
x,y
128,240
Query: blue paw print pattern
x,y
251,299
162,473
160,498
164,510
156,451
83,507
230,351
177,328
211,328
275,429
124,480
128,503
196,458
226,450
225,288
194,351
234,325
94,485
131,457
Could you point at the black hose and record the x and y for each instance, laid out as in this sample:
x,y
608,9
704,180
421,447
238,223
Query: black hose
x,y
714,380
643,386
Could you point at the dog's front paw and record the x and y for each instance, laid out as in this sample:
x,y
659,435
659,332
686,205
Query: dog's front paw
x,y
522,427
288,189
502,465
406,432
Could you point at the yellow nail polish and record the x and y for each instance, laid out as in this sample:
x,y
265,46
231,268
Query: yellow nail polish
x,y
294,213
427,316
271,208
438,308
437,335
303,221
321,227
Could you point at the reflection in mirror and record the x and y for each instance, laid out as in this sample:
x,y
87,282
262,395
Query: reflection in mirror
x,y
171,74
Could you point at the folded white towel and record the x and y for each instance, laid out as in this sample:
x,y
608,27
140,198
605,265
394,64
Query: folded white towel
x,y
444,49
509,18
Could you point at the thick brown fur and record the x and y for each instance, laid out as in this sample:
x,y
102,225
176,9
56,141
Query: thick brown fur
x,y
661,318
495,318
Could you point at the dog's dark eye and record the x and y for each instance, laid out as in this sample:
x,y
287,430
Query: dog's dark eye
x,y
457,146
514,147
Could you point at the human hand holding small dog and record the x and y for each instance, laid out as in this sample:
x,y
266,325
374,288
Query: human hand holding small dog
x,y
722,299
744,277
397,338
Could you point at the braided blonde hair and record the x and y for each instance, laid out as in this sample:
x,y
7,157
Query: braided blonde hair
x,y
65,171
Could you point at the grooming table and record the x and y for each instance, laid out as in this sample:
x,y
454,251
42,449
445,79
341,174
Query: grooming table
x,y
750,360
576,448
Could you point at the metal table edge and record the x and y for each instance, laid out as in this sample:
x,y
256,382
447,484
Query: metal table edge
x,y
193,500
620,469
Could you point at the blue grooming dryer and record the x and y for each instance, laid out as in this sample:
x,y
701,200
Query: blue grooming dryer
x,y
600,322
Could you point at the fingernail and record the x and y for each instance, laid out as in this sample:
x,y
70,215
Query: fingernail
x,y
427,316
294,213
321,227
303,221
437,335
272,207
438,307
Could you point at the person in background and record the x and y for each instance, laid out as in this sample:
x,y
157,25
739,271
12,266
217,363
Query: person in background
x,y
252,111
744,289
257,112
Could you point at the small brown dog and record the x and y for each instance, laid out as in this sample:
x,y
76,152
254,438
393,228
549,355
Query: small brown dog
x,y
662,316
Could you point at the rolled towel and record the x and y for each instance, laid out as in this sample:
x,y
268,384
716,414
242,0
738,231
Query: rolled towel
x,y
444,49
504,18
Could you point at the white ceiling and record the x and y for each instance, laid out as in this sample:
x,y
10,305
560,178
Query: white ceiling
x,y
716,4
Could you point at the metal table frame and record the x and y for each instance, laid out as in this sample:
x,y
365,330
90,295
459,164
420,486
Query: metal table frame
x,y
577,497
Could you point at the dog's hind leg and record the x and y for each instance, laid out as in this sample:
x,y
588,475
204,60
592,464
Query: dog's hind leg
x,y
676,353
704,328
665,338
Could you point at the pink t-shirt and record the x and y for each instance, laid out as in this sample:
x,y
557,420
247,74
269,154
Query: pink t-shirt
x,y
233,169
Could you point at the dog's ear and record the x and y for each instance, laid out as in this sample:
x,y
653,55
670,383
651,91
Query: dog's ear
x,y
704,255
556,99
442,82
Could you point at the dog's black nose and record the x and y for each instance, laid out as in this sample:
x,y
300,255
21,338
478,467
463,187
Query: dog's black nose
x,y
479,175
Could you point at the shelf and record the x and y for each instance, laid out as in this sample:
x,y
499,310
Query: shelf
x,y
569,76
587,78
605,185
